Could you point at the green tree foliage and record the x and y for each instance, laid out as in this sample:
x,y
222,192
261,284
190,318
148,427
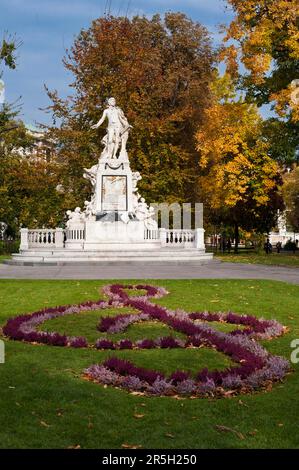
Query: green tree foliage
x,y
239,181
8,48
282,138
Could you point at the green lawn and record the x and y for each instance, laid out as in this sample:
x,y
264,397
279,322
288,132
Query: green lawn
x,y
45,403
274,259
3,257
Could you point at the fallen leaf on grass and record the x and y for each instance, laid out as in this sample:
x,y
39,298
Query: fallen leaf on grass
x,y
43,423
131,446
280,425
75,447
227,429
169,435
138,416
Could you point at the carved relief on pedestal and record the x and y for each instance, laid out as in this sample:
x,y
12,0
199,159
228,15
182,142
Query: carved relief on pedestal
x,y
114,193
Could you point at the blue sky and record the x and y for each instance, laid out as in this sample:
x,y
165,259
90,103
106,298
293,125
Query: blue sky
x,y
48,27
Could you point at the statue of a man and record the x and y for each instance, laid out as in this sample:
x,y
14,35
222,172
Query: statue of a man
x,y
118,127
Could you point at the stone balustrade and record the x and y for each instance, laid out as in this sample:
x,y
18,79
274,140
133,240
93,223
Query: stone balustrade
x,y
180,238
151,235
77,234
41,238
177,238
56,238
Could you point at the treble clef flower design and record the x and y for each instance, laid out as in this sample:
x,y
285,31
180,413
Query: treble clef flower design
x,y
254,367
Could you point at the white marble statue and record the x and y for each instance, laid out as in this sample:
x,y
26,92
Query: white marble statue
x,y
149,222
136,176
3,227
89,211
74,217
141,210
145,213
91,174
117,130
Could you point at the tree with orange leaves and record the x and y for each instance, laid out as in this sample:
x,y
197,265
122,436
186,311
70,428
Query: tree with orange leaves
x,y
159,72
264,37
238,181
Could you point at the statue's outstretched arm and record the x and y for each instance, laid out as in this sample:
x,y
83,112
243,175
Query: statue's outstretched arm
x,y
100,122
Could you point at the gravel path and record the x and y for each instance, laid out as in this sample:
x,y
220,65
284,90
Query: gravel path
x,y
212,270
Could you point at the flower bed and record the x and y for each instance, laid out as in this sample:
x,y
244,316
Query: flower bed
x,y
254,368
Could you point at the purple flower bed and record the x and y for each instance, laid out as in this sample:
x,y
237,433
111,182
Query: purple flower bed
x,y
259,328
105,344
120,323
254,367
78,342
24,327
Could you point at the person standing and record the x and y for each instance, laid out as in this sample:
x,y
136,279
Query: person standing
x,y
267,246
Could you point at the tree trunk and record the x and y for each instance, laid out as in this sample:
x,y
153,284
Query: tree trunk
x,y
236,238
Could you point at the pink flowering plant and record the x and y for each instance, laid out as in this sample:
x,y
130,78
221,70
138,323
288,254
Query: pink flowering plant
x,y
253,368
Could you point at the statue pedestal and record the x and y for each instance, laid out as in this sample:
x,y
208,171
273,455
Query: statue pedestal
x,y
114,187
111,233
116,218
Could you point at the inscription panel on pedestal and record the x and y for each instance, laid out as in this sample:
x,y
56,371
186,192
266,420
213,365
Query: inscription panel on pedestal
x,y
114,193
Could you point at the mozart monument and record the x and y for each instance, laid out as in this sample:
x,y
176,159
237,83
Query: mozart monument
x,y
116,224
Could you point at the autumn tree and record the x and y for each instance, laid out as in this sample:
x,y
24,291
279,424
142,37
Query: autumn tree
x,y
28,193
159,71
28,181
238,181
264,38
30,197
